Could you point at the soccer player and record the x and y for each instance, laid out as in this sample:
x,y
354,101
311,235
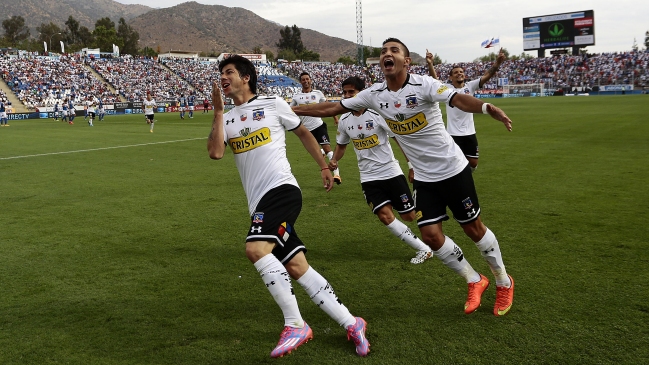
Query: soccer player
x,y
3,114
72,112
206,106
315,125
382,180
101,110
56,111
460,124
91,110
149,105
64,106
191,100
255,131
442,176
182,105
86,103
429,61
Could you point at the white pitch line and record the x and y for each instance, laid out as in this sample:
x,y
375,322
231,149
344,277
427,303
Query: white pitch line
x,y
98,149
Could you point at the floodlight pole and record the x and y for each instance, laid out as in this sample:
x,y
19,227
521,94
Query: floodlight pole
x,y
51,39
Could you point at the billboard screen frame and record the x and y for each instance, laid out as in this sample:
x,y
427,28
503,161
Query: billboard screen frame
x,y
578,25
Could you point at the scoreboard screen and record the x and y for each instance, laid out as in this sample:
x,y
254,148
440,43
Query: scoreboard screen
x,y
559,30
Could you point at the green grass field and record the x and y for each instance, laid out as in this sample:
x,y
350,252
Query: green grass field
x,y
120,246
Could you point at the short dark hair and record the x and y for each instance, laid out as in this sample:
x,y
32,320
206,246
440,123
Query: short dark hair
x,y
454,67
391,39
356,82
244,67
302,74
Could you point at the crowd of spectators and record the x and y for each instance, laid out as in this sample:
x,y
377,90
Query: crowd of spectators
x,y
43,81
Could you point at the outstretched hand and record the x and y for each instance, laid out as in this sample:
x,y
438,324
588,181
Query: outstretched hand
x,y
429,57
499,114
217,98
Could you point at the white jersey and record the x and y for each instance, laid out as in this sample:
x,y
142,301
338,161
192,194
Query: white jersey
x,y
255,131
91,107
371,141
148,106
459,123
412,113
312,97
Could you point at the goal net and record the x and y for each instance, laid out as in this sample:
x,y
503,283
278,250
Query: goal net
x,y
524,89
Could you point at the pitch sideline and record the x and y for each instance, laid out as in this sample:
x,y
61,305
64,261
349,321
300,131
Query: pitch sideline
x,y
99,149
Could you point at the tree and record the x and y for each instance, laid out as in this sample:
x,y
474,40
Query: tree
x,y
346,60
15,30
72,32
129,37
105,22
290,39
50,33
105,38
257,50
286,54
307,55
85,36
270,56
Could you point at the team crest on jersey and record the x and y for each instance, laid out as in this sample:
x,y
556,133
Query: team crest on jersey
x,y
258,114
313,97
397,104
442,89
245,132
467,203
466,91
369,125
258,217
360,127
411,101
243,117
404,198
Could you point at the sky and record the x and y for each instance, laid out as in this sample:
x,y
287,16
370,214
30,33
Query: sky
x,y
453,30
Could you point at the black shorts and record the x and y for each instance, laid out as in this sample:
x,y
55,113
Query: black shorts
x,y
468,145
457,192
274,221
91,115
394,191
149,116
321,135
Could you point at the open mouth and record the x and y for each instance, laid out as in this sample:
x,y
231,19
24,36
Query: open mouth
x,y
388,63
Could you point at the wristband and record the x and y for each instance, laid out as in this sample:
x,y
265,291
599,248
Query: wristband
x,y
409,165
324,168
484,108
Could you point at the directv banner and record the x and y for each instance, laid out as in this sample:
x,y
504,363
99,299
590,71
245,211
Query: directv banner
x,y
616,88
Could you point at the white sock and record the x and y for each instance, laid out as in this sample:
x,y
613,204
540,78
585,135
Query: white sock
x,y
490,250
452,256
278,282
330,155
405,234
322,152
474,168
323,295
151,125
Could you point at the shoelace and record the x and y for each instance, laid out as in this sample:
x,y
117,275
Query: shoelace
x,y
501,296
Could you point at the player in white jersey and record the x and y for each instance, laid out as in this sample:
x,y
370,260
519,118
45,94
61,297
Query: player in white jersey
x,y
442,177
149,106
316,125
460,124
92,107
255,131
382,180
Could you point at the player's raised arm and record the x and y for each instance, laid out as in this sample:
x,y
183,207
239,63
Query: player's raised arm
x,y
493,69
429,61
327,109
216,139
470,104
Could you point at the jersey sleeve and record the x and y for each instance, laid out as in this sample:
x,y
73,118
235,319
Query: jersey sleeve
x,y
437,91
293,102
473,85
321,97
360,101
286,116
341,134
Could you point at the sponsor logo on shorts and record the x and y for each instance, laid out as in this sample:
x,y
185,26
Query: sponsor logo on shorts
x,y
284,231
255,229
418,214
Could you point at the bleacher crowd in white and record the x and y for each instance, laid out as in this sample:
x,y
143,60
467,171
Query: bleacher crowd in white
x,y
39,81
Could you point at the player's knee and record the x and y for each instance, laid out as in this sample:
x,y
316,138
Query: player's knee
x,y
475,230
385,215
433,238
408,217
